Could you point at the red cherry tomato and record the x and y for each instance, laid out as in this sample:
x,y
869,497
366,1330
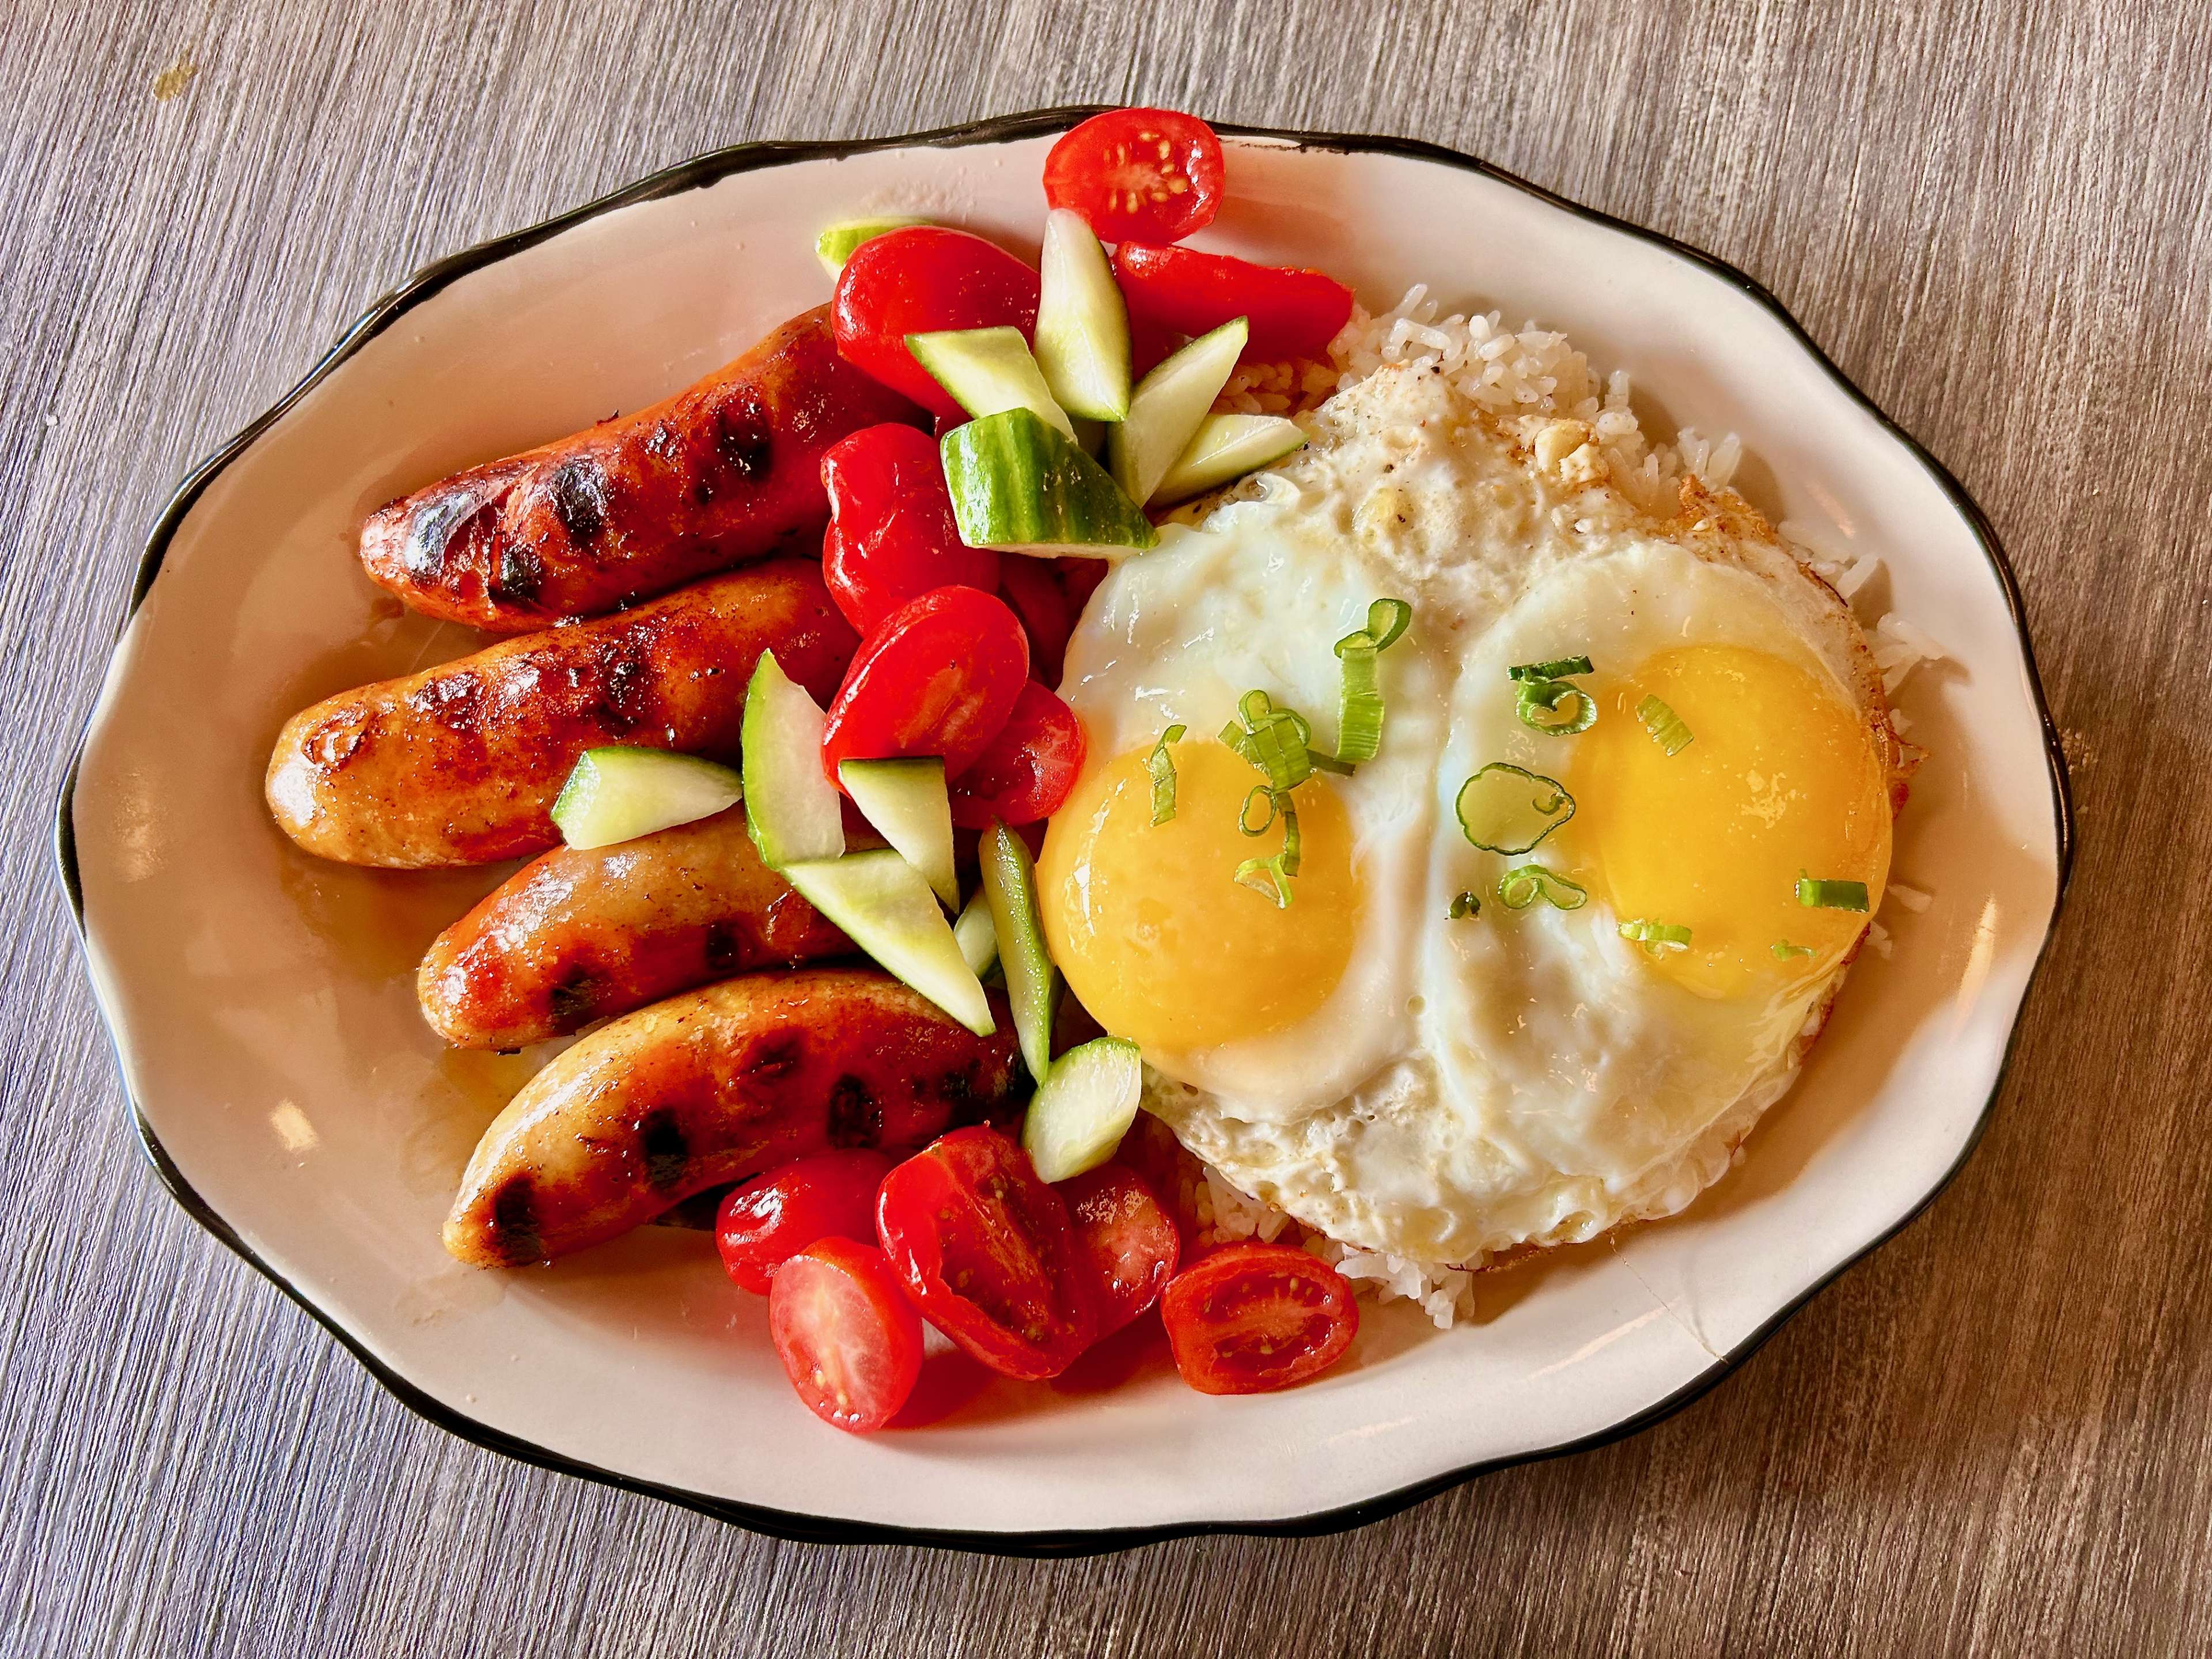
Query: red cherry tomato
x,y
918,281
772,1217
849,1340
939,676
1026,771
987,1252
1131,1245
1253,1317
1293,313
1140,175
1032,588
891,534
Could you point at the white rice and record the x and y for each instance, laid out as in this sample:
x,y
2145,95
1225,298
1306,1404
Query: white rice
x,y
1528,371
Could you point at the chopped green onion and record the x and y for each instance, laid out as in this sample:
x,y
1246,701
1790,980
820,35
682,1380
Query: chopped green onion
x,y
1273,740
1464,906
1559,668
1272,876
1540,698
1499,810
1161,765
1360,705
1830,894
1522,885
1664,725
1783,949
1656,936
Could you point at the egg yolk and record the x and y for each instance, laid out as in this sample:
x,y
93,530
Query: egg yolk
x,y
1781,779
1156,935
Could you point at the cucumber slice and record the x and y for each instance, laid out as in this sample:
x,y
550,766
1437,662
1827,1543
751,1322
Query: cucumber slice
x,y
988,370
619,793
906,800
1079,1114
1168,405
1032,984
790,807
977,935
1227,447
834,245
1017,485
1083,324
887,910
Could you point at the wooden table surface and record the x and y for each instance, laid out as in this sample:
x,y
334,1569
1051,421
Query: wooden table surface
x,y
1991,1436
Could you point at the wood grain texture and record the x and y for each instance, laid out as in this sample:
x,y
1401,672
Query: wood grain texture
x,y
1993,1436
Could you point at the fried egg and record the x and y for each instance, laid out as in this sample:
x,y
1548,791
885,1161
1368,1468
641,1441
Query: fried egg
x,y
1450,1087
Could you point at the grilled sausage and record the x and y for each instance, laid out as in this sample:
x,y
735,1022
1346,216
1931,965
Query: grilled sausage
x,y
712,1086
461,764
726,470
582,935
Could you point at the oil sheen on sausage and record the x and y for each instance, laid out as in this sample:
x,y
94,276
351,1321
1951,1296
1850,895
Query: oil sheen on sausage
x,y
710,1087
726,470
461,764
582,935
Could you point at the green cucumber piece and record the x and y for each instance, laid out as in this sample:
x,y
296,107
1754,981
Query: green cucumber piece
x,y
1079,1114
618,793
988,370
887,910
790,807
1032,984
1082,323
1167,407
836,244
1018,484
977,933
1227,447
905,799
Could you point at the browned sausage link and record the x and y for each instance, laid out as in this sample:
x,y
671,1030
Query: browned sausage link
x,y
577,935
461,764
712,1086
726,470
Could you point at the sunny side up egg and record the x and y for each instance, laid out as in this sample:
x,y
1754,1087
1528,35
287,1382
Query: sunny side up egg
x,y
1449,1088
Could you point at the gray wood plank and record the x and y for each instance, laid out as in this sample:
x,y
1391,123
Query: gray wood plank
x,y
1992,1436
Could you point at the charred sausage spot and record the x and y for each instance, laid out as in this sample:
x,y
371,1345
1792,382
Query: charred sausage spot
x,y
667,1153
855,1119
437,521
958,1089
726,950
513,1227
335,741
774,1059
521,574
574,1002
578,488
742,436
454,700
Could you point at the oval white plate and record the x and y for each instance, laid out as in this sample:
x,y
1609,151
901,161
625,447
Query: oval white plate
x,y
263,1007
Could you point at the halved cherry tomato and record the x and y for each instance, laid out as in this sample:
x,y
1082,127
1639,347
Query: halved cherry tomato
x,y
1127,1237
891,535
1032,588
1026,771
917,280
1293,313
987,1252
1253,1317
939,676
849,1340
1143,175
772,1217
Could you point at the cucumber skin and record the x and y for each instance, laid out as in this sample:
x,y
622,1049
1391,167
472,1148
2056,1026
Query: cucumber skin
x,y
1058,1154
1032,982
1017,482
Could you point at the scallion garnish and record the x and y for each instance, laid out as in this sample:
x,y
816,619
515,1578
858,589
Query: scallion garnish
x,y
1161,765
1271,876
1505,809
1273,740
1559,668
1537,703
1830,894
1656,936
1466,905
1664,725
1783,949
1523,884
1360,705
